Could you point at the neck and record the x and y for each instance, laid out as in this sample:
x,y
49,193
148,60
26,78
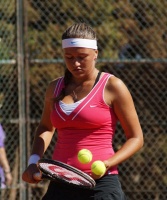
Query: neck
x,y
80,87
81,80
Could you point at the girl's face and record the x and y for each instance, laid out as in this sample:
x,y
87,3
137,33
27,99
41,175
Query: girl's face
x,y
80,61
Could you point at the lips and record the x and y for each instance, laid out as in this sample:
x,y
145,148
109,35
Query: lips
x,y
78,69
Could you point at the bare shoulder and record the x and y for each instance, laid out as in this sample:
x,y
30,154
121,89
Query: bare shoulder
x,y
50,89
116,90
115,84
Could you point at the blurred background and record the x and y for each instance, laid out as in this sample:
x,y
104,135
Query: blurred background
x,y
132,41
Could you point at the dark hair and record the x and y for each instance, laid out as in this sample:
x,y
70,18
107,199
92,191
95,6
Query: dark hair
x,y
77,30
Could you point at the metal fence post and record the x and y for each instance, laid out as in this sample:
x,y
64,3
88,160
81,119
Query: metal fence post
x,y
21,94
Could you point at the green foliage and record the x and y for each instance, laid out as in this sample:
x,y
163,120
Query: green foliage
x,y
7,29
116,24
139,23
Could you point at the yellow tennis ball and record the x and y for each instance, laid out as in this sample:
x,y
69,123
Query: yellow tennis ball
x,y
84,156
98,167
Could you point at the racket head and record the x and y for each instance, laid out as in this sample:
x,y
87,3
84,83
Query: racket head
x,y
61,172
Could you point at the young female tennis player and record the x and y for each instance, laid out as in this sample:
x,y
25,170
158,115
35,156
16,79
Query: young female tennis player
x,y
84,106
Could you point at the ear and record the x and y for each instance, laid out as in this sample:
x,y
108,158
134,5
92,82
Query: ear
x,y
96,54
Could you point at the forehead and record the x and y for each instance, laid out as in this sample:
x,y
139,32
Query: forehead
x,y
78,50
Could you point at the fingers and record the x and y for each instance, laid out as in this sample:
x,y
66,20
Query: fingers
x,y
32,174
8,179
94,176
37,176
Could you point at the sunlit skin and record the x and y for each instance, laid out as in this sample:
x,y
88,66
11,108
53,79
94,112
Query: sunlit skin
x,y
81,63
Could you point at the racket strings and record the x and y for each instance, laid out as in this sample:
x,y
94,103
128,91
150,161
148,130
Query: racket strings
x,y
65,174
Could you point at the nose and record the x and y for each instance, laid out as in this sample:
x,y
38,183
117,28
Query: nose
x,y
76,62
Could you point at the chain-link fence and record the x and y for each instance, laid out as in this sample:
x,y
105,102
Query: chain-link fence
x,y
132,37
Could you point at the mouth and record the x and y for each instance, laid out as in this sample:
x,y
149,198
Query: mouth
x,y
78,69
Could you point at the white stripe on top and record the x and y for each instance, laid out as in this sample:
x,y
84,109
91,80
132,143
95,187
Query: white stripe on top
x,y
68,108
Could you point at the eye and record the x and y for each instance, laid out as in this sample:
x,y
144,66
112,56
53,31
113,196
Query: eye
x,y
82,56
69,57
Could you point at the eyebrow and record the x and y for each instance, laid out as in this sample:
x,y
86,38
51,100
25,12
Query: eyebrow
x,y
78,54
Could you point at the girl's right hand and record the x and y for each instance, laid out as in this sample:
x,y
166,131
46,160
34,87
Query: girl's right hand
x,y
32,174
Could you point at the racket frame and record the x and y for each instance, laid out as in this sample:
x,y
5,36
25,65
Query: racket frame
x,y
52,177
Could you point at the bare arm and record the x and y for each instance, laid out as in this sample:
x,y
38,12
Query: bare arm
x,y
43,135
44,131
5,165
125,110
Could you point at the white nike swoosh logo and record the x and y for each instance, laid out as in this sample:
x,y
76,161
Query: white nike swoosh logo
x,y
92,106
74,42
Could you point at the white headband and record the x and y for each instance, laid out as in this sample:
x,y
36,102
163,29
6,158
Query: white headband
x,y
78,42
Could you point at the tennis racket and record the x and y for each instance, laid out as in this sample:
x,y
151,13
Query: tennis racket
x,y
61,172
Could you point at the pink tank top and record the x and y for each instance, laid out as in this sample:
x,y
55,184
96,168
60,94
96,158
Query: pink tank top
x,y
91,126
